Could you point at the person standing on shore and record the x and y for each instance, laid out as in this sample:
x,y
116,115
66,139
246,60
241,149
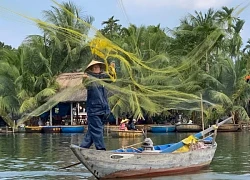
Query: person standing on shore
x,y
97,106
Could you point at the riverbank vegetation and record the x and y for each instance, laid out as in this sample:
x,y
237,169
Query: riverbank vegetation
x,y
158,69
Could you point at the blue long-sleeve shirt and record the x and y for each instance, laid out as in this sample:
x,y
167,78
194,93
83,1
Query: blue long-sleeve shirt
x,y
97,99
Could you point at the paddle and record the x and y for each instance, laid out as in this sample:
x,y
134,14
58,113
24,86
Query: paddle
x,y
198,135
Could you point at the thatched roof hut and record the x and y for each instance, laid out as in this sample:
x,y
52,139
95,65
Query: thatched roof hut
x,y
71,90
69,79
71,85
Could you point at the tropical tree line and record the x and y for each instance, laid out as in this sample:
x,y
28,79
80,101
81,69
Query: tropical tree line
x,y
169,68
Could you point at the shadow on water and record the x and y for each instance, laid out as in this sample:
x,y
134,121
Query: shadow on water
x,y
39,156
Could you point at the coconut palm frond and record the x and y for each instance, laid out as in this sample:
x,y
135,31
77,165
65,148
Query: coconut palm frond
x,y
6,118
9,103
47,92
220,97
28,104
241,112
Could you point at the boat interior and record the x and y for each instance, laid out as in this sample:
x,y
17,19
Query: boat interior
x,y
157,148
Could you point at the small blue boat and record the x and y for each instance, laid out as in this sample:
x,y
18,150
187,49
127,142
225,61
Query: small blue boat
x,y
163,129
72,129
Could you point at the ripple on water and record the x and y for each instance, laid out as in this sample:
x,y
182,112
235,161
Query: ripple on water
x,y
40,156
204,176
43,175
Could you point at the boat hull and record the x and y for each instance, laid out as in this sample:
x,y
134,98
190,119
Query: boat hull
x,y
163,129
229,128
188,128
33,129
125,134
51,129
108,164
72,129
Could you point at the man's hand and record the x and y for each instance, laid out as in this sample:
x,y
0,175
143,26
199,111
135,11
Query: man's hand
x,y
112,72
112,64
85,75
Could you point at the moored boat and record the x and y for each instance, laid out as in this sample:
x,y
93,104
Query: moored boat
x,y
229,128
51,129
188,128
190,154
33,129
72,129
162,128
127,134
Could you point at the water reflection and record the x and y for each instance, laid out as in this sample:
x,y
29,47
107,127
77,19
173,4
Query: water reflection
x,y
39,156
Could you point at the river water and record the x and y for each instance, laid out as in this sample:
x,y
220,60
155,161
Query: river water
x,y
40,156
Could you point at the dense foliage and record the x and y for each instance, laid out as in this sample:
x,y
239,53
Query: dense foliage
x,y
159,69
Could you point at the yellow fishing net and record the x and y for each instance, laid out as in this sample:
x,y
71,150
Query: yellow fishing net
x,y
187,141
142,87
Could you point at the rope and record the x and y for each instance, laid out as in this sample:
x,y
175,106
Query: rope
x,y
120,3
125,147
136,149
70,165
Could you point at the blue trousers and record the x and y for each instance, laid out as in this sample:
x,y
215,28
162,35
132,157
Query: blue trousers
x,y
94,133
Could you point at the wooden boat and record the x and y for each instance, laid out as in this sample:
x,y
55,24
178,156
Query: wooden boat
x,y
72,129
188,128
142,162
33,129
229,128
163,128
141,127
6,129
51,129
128,133
109,128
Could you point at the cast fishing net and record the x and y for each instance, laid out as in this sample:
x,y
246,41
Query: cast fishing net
x,y
150,86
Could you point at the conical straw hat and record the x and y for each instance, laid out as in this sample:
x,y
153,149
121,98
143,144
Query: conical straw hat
x,y
124,120
93,62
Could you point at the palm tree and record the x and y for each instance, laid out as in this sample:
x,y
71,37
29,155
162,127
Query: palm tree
x,y
247,47
9,103
66,33
194,29
25,85
68,16
231,90
236,41
226,18
112,30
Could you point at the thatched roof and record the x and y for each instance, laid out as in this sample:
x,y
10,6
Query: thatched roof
x,y
67,82
71,90
69,79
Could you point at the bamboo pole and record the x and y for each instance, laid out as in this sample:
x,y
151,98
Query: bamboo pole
x,y
71,114
107,128
215,131
202,117
197,135
50,117
13,128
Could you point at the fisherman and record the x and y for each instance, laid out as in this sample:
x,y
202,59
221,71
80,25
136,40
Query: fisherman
x,y
97,106
124,124
132,125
